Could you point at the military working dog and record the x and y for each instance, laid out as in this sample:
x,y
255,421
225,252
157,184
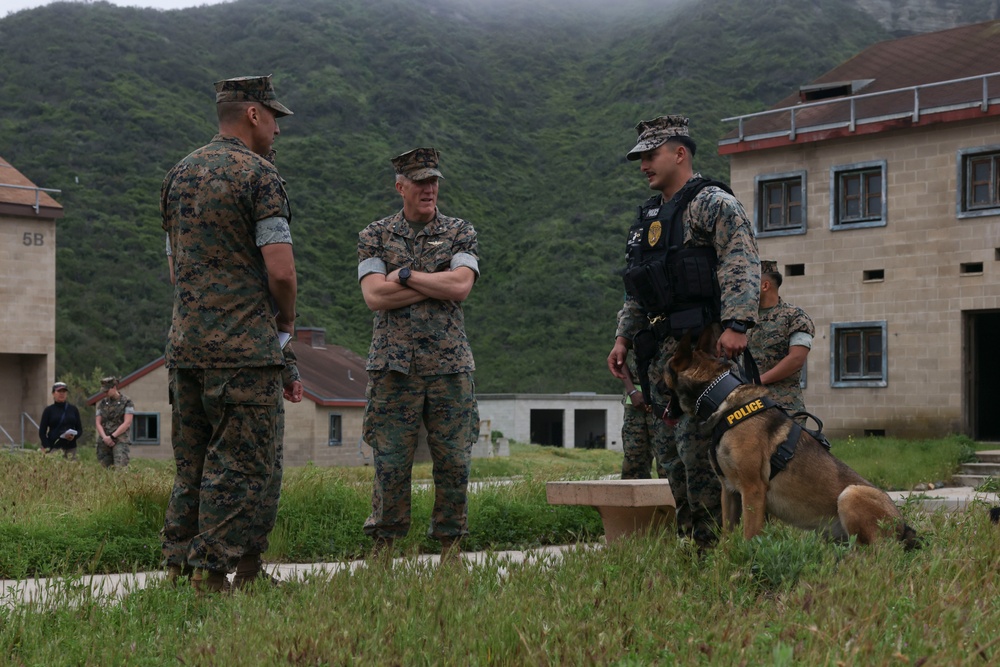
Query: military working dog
x,y
796,480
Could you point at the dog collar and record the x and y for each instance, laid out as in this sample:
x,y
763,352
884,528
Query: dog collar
x,y
715,394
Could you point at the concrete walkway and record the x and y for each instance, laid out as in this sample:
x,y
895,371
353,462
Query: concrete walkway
x,y
949,499
115,586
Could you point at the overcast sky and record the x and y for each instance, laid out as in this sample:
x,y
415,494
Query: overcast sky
x,y
7,6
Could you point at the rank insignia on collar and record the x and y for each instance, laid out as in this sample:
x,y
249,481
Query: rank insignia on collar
x,y
653,235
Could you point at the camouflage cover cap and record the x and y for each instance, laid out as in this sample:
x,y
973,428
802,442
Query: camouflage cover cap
x,y
250,89
59,385
109,382
418,164
768,266
653,133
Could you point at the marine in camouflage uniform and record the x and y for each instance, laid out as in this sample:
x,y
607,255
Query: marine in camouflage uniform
x,y
780,341
114,425
643,435
227,218
415,269
713,219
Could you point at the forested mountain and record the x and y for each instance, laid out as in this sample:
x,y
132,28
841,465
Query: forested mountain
x,y
531,104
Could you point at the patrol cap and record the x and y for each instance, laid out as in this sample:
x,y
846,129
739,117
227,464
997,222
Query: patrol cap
x,y
59,385
250,89
768,266
656,132
418,164
109,382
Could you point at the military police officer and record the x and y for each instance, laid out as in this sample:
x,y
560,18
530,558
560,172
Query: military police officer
x,y
416,267
691,263
227,217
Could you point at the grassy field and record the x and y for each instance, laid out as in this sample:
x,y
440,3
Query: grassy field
x,y
785,598
60,517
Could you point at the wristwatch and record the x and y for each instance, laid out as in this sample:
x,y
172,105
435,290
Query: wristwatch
x,y
404,275
739,326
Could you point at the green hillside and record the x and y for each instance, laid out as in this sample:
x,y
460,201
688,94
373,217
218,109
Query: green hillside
x,y
531,104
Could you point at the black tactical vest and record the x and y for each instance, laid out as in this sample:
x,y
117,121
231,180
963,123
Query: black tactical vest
x,y
661,274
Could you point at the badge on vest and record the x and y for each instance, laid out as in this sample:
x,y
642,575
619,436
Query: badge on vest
x,y
654,233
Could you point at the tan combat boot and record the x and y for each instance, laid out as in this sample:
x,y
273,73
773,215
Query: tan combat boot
x,y
382,551
250,569
451,549
175,572
209,582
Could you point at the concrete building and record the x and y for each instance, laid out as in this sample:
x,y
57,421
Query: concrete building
x,y
28,217
583,419
877,189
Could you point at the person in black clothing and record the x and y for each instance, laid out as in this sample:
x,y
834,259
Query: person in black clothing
x,y
58,423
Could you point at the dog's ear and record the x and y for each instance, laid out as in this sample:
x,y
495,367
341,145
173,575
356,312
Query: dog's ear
x,y
706,342
681,358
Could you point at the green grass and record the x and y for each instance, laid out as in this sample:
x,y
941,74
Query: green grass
x,y
786,598
59,517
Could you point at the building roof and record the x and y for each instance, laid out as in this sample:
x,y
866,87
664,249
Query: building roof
x,y
938,64
332,376
20,197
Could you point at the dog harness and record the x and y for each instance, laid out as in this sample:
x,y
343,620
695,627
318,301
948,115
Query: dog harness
x,y
716,394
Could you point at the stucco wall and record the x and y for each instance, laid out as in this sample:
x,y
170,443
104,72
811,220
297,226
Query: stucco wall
x,y
920,250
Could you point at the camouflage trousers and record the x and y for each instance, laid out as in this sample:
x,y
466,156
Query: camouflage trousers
x,y
641,435
696,488
397,404
225,433
117,456
260,529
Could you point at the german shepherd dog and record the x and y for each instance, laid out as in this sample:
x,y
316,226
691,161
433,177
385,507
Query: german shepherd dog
x,y
814,491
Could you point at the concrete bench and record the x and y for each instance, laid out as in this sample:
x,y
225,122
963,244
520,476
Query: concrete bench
x,y
626,506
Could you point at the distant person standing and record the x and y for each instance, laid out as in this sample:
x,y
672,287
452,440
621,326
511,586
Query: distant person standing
x,y
781,340
227,219
114,425
60,426
416,267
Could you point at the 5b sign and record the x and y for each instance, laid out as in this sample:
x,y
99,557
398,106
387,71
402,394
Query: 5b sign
x,y
33,239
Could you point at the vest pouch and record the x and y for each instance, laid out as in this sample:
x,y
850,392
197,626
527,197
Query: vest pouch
x,y
691,271
691,320
650,286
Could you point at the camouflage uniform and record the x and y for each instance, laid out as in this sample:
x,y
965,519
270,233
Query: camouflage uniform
x,y
716,219
420,368
769,340
643,439
262,526
222,351
112,413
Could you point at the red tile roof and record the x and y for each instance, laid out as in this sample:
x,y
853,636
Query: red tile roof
x,y
21,201
918,60
332,376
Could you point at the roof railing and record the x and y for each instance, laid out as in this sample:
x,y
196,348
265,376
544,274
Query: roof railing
x,y
983,103
38,193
